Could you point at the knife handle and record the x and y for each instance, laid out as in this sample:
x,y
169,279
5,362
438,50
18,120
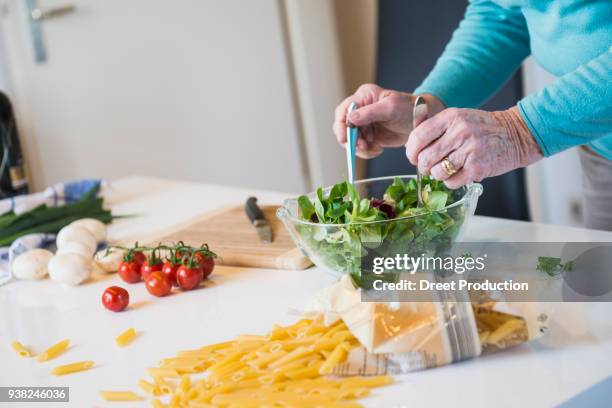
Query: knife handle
x,y
253,211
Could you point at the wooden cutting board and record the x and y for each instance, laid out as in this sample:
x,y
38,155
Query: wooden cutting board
x,y
229,233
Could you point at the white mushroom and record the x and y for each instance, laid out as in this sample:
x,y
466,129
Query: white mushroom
x,y
108,260
75,233
32,264
70,269
96,227
75,247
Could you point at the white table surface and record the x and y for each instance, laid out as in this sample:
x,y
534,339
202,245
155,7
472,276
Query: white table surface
x,y
576,354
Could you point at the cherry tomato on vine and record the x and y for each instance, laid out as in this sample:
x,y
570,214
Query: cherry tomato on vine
x,y
115,298
139,257
129,272
149,267
207,264
189,277
169,269
158,284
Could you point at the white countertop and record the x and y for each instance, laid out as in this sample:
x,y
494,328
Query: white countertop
x,y
576,354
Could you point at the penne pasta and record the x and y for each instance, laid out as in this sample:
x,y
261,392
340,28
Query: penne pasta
x,y
217,346
325,344
175,400
264,360
149,387
250,337
334,329
200,354
163,372
351,393
185,384
375,381
120,396
54,351
21,349
336,357
505,330
308,372
277,333
126,337
273,378
294,365
342,335
197,404
185,367
157,404
72,368
294,355
285,368
227,361
163,386
244,374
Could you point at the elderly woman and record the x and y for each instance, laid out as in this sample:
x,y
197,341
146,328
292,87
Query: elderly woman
x,y
459,144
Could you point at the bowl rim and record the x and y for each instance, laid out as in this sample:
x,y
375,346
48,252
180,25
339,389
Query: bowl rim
x,y
471,188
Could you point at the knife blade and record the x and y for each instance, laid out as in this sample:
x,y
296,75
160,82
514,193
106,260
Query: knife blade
x,y
257,218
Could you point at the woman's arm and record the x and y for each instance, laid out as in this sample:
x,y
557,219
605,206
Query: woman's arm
x,y
483,53
575,109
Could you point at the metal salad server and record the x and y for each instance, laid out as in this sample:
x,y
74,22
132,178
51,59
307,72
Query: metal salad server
x,y
419,115
352,133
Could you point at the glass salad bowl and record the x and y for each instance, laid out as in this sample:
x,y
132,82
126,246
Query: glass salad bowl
x,y
341,246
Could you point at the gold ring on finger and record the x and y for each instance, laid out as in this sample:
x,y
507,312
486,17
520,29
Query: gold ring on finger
x,y
448,166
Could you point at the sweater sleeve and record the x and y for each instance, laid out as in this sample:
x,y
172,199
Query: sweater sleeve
x,y
483,53
575,109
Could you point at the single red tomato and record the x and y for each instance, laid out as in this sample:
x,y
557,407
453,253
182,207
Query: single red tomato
x,y
115,298
139,258
129,272
207,264
169,269
149,267
158,284
188,278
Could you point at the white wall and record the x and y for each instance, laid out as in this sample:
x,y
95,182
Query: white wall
x,y
190,89
313,61
356,22
554,184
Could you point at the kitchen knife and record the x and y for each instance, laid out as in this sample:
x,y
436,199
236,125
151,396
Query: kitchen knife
x,y
258,220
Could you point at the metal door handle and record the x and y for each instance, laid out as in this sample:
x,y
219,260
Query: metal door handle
x,y
39,14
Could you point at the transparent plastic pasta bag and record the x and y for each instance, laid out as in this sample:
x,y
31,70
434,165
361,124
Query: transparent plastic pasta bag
x,y
400,337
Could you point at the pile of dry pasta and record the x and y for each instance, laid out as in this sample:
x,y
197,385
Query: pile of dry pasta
x,y
500,330
286,368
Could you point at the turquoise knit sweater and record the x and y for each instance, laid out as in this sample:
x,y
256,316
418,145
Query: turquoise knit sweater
x,y
571,39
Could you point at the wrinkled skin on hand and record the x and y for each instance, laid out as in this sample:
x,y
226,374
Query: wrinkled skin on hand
x,y
478,143
384,118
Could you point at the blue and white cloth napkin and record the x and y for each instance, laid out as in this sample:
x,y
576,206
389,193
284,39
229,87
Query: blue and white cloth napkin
x,y
58,194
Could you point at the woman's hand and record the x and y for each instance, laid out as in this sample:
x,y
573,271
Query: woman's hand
x,y
478,144
384,118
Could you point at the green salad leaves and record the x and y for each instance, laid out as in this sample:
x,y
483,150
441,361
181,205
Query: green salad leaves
x,y
345,228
